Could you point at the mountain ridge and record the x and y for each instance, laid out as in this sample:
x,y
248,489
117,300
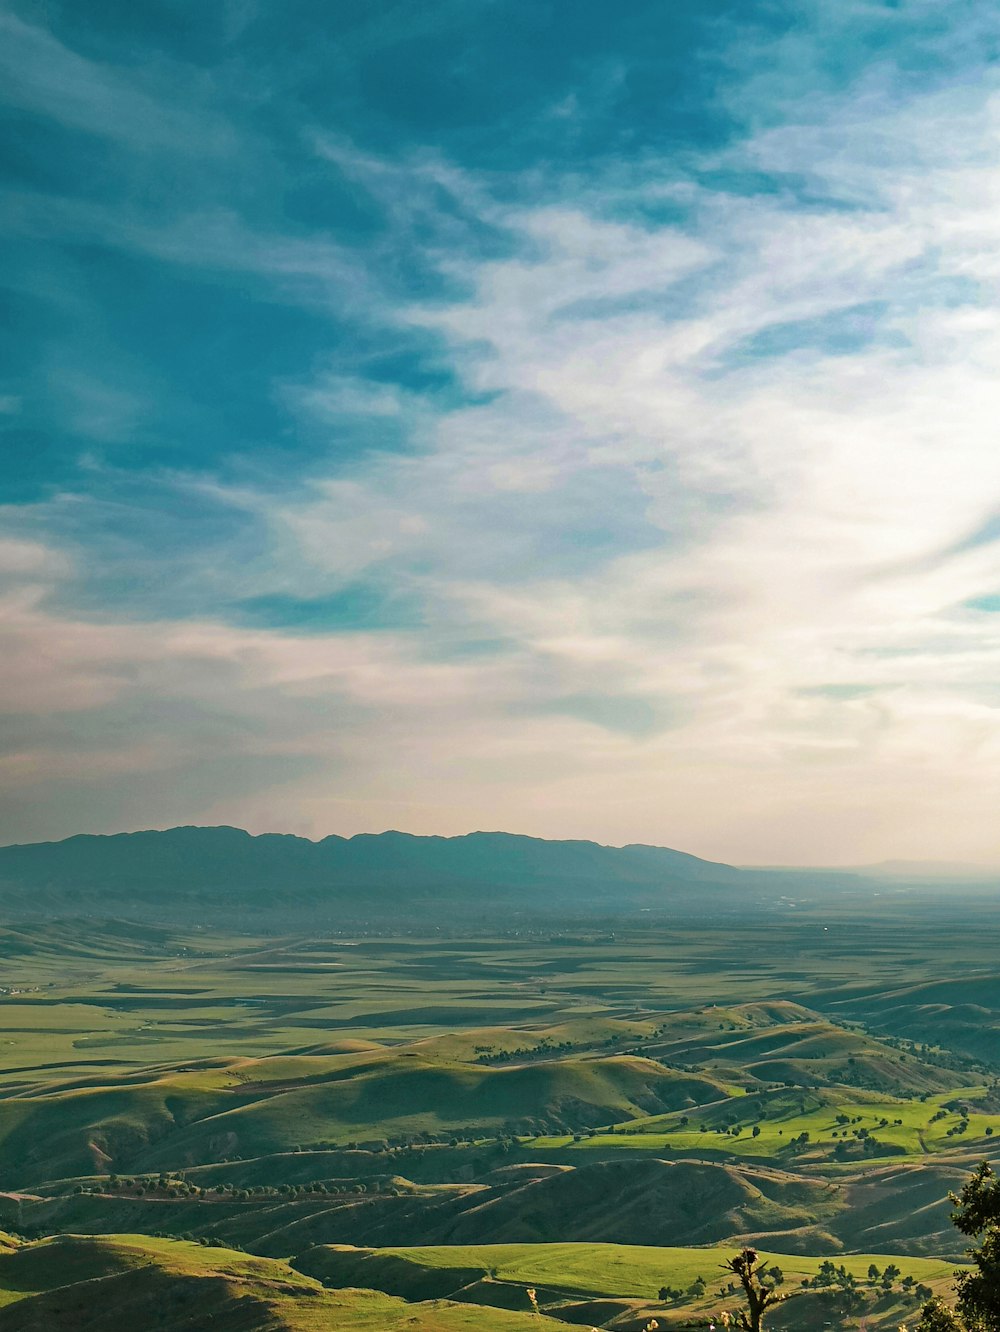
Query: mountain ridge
x,y
206,864
197,870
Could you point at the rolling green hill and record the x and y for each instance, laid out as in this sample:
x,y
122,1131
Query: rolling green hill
x,y
897,1208
120,1283
637,1271
253,1107
124,1283
960,1013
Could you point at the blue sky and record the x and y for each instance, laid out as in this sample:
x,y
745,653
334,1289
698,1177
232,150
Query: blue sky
x,y
503,414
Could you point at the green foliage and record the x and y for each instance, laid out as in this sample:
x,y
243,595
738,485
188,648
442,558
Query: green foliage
x,y
977,1215
937,1317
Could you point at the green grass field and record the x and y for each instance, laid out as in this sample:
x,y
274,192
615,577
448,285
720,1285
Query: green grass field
x,y
640,1270
911,1126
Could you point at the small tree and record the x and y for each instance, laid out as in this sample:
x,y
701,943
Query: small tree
x,y
889,1276
977,1215
761,1293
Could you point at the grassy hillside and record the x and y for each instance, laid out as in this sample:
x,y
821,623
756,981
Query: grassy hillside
x,y
961,1013
183,1117
620,1286
589,1269
79,1284
898,1208
124,1283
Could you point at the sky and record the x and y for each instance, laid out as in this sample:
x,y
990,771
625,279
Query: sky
x,y
570,418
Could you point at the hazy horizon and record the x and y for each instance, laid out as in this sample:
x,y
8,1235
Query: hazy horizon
x,y
496,416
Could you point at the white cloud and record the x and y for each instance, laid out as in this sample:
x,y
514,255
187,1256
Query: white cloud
x,y
22,558
809,628
764,549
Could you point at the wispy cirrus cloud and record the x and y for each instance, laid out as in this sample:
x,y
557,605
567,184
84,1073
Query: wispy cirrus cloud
x,y
654,502
135,106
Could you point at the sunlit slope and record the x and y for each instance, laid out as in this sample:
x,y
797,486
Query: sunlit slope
x,y
621,1286
253,1107
784,1042
591,1269
838,1124
121,1283
124,1283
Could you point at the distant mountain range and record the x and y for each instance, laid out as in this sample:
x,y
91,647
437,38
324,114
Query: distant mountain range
x,y
370,872
206,870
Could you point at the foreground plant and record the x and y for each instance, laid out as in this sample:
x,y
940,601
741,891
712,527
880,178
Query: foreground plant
x,y
937,1317
977,1215
761,1295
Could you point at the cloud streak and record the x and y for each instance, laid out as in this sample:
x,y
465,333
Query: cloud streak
x,y
687,535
